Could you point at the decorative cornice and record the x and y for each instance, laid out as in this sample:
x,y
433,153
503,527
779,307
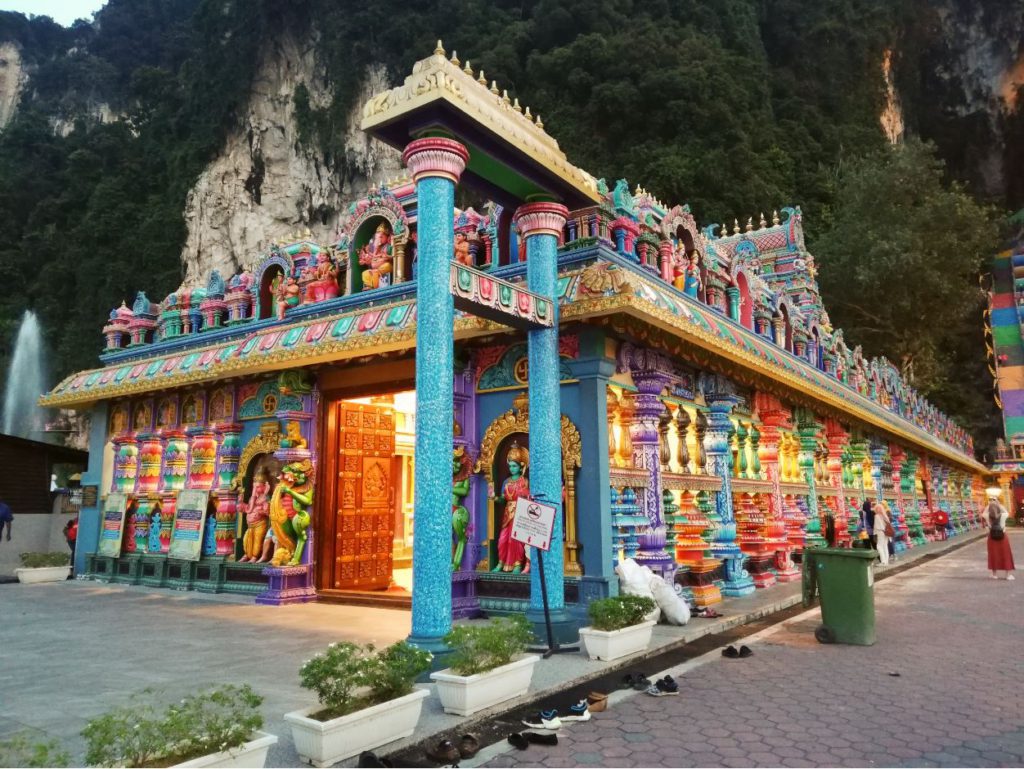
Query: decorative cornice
x,y
541,219
435,156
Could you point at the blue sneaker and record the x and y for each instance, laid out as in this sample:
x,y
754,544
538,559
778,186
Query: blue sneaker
x,y
544,719
578,712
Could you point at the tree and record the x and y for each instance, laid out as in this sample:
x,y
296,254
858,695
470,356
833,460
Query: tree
x,y
900,255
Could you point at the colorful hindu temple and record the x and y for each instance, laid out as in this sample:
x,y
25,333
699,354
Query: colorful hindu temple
x,y
355,421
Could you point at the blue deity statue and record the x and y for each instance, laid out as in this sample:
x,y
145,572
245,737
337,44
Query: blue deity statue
x,y
153,545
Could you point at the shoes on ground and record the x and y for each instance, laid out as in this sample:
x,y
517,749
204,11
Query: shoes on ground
x,y
368,759
579,711
1010,577
544,719
444,752
664,687
730,652
468,745
597,702
746,651
536,738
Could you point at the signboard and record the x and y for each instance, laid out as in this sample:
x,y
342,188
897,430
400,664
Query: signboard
x,y
533,522
90,495
112,525
187,530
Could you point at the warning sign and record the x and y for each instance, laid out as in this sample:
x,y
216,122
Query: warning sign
x,y
533,523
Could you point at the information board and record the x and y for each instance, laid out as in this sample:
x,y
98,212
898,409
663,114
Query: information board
x,y
112,525
187,530
90,495
533,522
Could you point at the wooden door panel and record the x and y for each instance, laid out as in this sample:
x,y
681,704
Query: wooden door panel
x,y
364,522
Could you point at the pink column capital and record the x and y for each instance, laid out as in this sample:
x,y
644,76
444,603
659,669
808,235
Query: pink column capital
x,y
435,156
541,219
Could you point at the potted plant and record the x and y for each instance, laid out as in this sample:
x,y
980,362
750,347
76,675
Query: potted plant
x,y
43,567
487,665
618,626
215,728
366,700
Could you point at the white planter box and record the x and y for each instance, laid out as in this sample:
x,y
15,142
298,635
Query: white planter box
x,y
463,695
43,574
322,743
612,644
248,754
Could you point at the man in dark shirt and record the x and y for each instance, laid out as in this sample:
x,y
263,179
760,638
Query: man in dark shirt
x,y
6,519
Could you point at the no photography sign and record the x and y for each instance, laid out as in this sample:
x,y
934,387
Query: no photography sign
x,y
533,523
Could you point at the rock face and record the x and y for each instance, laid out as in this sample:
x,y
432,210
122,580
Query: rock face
x,y
266,184
12,80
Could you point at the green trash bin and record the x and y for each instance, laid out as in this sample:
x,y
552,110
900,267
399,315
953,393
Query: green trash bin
x,y
846,586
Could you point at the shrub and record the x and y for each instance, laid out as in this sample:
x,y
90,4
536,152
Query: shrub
x,y
483,647
348,677
143,735
40,560
19,750
619,612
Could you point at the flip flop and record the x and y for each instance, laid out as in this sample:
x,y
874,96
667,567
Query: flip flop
x,y
540,739
468,745
730,652
745,651
518,741
444,752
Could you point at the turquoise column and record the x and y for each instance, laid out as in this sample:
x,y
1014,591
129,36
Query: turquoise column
x,y
540,224
89,518
435,164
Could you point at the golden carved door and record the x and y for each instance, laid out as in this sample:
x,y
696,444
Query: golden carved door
x,y
364,498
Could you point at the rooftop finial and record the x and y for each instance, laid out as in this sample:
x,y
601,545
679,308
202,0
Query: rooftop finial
x,y
468,69
516,106
762,223
482,80
735,226
439,51
539,123
724,232
775,218
528,115
494,87
455,58
504,96
750,223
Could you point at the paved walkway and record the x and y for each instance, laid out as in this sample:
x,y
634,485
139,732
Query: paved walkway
x,y
952,634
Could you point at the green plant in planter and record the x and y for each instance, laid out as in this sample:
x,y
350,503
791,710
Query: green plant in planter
x,y
483,647
142,734
348,677
43,560
619,612
20,750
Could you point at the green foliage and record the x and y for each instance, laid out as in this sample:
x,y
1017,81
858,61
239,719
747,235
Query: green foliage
x,y
143,734
20,750
618,612
42,560
349,677
900,251
481,647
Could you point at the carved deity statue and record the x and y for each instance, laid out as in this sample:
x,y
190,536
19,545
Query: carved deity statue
x,y
292,438
257,513
289,512
153,545
462,254
511,553
692,282
679,263
324,279
460,515
287,294
377,256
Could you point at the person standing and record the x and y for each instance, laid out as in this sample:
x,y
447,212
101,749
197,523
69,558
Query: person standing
x,y
883,532
71,535
1000,557
6,519
867,523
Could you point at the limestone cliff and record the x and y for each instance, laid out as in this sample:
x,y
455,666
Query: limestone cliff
x,y
266,183
12,80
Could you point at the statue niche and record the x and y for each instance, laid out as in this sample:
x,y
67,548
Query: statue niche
x,y
258,488
376,256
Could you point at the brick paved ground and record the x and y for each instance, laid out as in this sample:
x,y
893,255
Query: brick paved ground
x,y
955,636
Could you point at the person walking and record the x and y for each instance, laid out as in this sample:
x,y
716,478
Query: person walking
x,y
1000,557
6,519
71,535
883,532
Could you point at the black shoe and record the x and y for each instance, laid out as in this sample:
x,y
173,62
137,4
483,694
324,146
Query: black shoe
x,y
730,652
745,652
369,759
518,741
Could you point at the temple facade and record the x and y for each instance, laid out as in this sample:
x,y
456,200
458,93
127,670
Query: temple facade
x,y
355,421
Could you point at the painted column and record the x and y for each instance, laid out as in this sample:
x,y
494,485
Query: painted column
x,y
644,434
836,438
230,451
436,165
721,401
89,518
773,416
897,458
540,225
808,428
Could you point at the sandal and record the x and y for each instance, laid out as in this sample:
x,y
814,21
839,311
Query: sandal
x,y
518,741
730,652
706,613
444,752
540,739
368,759
745,651
468,745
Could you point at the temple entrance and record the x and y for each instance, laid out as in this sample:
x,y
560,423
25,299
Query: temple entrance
x,y
365,518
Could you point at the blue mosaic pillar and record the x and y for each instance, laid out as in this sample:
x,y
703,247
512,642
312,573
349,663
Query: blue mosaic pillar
x,y
721,399
540,224
89,518
436,164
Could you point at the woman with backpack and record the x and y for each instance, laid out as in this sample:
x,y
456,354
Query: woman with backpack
x,y
1000,557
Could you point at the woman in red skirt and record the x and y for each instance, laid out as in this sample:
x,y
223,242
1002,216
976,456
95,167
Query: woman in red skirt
x,y
1000,557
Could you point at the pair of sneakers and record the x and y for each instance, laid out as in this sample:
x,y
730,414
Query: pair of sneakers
x,y
550,719
663,687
